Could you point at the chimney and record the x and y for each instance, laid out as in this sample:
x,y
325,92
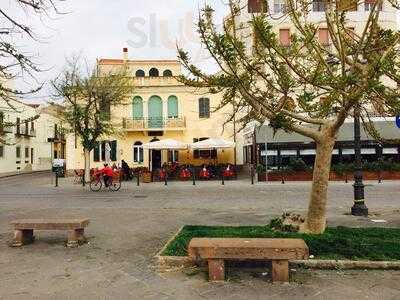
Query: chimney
x,y
125,54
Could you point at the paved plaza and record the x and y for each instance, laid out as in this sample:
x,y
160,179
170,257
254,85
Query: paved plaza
x,y
129,227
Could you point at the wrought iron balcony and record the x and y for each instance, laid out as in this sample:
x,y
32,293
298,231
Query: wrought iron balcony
x,y
154,124
5,129
25,132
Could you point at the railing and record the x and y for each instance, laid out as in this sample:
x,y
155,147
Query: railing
x,y
138,124
319,6
5,129
28,133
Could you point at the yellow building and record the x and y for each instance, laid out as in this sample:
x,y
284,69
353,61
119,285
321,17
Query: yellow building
x,y
160,108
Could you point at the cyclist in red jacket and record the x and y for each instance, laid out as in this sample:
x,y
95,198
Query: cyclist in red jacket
x,y
107,174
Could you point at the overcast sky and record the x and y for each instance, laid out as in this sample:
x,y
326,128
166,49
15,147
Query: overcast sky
x,y
101,28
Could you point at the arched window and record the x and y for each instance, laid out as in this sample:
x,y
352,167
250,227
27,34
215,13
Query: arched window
x,y
154,72
167,73
138,152
140,73
137,108
173,107
155,111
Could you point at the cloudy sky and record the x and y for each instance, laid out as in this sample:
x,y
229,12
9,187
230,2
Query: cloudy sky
x,y
101,28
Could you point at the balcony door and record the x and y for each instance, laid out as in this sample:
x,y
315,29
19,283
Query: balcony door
x,y
155,112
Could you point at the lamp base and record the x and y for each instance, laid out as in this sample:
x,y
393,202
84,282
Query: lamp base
x,y
359,209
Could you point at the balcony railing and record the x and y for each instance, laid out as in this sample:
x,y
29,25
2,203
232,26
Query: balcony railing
x,y
148,124
319,6
27,133
5,129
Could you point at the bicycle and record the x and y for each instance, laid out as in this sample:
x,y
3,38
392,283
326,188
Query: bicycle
x,y
98,179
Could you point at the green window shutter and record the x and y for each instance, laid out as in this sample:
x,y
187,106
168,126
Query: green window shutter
x,y
172,107
137,108
96,153
113,145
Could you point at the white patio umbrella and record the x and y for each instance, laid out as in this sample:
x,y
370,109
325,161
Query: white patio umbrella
x,y
213,143
167,144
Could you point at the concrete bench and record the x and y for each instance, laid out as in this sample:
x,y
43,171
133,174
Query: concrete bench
x,y
23,230
217,250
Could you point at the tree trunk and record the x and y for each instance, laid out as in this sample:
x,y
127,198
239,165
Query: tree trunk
x,y
87,165
316,216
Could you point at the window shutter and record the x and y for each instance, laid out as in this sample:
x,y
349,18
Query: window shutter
x,y
113,145
103,151
284,37
96,153
323,35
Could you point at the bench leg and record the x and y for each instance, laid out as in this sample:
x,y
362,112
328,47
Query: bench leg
x,y
280,271
80,234
73,237
23,237
216,269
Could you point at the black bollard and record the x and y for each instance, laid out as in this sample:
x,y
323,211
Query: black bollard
x,y
283,180
83,179
56,178
165,178
193,177
223,179
138,179
252,175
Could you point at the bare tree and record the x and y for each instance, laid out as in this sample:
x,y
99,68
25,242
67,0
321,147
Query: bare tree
x,y
89,98
303,86
14,62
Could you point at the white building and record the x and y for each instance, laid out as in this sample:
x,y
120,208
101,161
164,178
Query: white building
x,y
25,131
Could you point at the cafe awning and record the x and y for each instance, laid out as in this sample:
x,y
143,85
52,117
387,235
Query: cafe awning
x,y
167,144
213,143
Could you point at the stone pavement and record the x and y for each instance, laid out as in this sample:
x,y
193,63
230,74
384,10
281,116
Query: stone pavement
x,y
129,227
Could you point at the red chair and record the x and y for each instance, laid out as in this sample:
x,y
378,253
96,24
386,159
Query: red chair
x,y
185,174
204,174
228,172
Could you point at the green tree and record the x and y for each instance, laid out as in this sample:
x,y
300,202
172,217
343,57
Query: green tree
x,y
89,97
303,86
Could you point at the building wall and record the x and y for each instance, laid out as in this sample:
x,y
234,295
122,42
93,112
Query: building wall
x,y
36,144
188,110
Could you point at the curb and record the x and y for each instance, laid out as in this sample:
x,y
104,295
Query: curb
x,y
23,173
175,263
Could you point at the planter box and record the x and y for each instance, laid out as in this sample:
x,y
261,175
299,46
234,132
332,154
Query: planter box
x,y
261,177
146,177
307,176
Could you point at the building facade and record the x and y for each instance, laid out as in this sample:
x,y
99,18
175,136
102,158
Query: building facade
x,y
262,145
28,133
160,108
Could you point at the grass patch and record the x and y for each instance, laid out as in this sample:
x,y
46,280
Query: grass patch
x,y
336,243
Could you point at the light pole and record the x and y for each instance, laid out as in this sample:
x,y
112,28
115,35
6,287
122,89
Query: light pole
x,y
359,208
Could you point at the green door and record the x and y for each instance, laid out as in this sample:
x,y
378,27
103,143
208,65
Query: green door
x,y
155,112
137,108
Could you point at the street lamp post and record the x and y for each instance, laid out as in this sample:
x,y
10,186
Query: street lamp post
x,y
359,208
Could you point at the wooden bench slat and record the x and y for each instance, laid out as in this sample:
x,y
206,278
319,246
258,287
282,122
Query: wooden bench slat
x,y
239,248
50,224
